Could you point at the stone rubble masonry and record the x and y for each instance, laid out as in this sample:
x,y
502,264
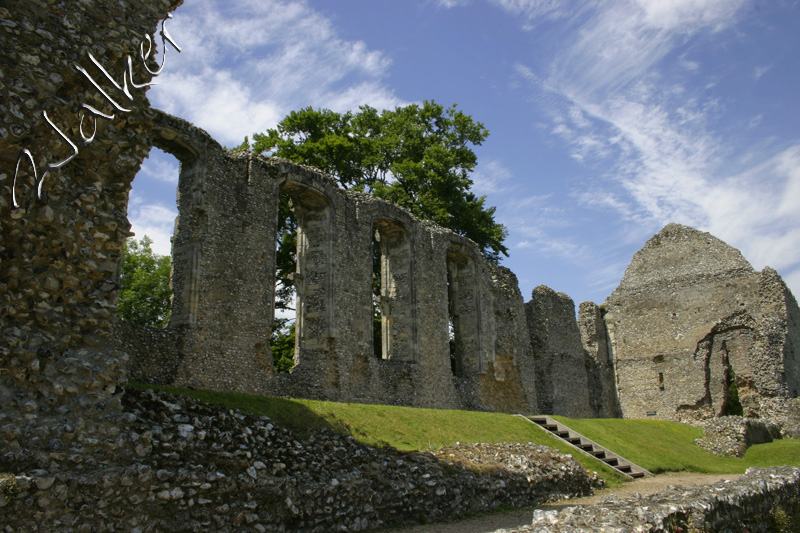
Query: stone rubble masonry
x,y
730,436
562,376
690,317
223,279
60,368
202,467
764,499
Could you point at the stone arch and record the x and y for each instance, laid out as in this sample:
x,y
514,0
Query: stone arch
x,y
464,311
397,310
174,137
728,352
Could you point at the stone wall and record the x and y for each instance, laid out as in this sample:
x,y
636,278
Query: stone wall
x,y
689,318
223,287
562,366
730,436
689,313
60,251
201,467
602,377
764,499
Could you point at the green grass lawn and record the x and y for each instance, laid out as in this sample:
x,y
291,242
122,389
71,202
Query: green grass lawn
x,y
656,445
661,446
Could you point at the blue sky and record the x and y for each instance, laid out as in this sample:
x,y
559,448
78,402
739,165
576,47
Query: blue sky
x,y
607,119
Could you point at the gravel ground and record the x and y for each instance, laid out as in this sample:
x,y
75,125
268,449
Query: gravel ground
x,y
520,517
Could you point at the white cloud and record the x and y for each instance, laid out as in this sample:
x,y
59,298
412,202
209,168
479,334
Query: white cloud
x,y
246,64
650,146
449,4
760,71
530,10
491,177
154,220
164,169
560,247
687,15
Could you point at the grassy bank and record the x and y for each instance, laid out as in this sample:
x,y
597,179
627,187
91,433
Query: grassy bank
x,y
405,428
661,446
656,445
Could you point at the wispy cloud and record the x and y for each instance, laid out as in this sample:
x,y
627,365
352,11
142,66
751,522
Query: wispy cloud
x,y
651,141
246,64
531,10
163,169
155,220
449,4
491,177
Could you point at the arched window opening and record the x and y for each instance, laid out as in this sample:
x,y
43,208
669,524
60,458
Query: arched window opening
x,y
378,347
463,309
455,362
145,268
282,337
303,280
392,289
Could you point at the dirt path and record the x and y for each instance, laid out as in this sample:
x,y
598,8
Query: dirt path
x,y
521,517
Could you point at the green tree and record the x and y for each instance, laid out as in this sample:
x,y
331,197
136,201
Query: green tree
x,y
144,296
282,344
418,157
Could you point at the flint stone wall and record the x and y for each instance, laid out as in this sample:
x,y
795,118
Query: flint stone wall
x,y
730,436
201,467
764,499
562,371
59,366
223,279
689,315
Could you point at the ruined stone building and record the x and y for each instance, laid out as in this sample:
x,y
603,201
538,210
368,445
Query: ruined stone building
x,y
690,316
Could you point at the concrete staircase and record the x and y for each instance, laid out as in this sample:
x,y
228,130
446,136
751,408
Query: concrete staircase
x,y
588,447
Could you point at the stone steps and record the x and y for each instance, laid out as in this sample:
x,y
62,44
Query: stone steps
x,y
588,447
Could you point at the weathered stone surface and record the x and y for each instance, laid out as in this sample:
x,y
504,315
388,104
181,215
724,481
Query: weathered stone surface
x,y
689,310
758,501
690,313
59,254
562,376
600,367
223,301
730,436
207,467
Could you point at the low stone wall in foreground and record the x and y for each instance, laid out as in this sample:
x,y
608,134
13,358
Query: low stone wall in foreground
x,y
202,467
763,499
730,436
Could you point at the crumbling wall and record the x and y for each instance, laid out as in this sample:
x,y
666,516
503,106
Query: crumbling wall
x,y
435,285
59,258
602,380
763,499
689,320
562,368
203,467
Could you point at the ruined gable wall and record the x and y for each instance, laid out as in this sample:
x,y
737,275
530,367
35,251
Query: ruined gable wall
x,y
59,255
688,311
776,369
